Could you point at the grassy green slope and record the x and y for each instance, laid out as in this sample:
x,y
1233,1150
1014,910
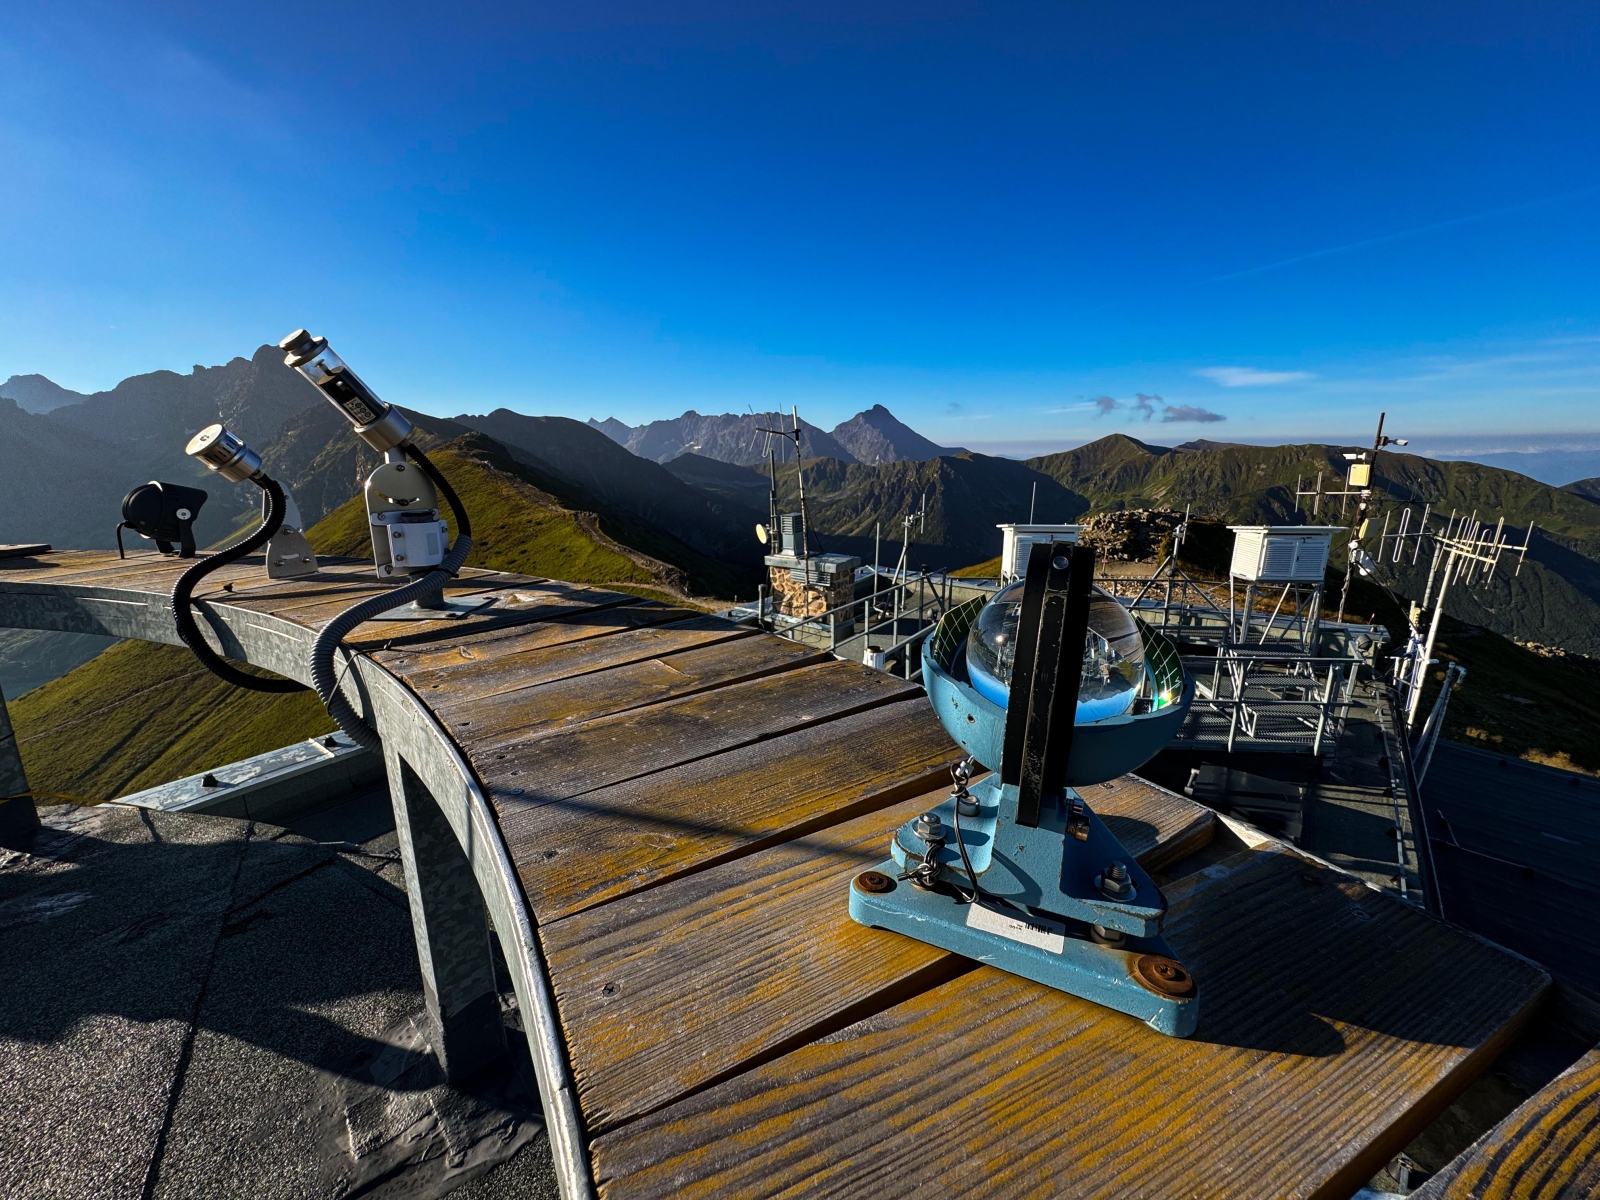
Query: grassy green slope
x,y
140,715
522,520
1517,701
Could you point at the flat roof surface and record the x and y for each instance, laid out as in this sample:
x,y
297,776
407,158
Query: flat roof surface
x,y
201,1007
1517,848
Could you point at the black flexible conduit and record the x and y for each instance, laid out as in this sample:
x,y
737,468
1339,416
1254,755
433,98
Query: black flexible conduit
x,y
323,676
183,593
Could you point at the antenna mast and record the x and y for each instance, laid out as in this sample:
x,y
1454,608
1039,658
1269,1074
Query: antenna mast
x,y
772,485
800,476
1357,483
1467,550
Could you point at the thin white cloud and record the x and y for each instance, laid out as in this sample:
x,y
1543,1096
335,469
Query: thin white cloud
x,y
1232,377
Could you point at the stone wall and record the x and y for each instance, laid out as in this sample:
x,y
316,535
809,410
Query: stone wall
x,y
791,598
1137,535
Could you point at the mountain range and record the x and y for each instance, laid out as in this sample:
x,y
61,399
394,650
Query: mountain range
x,y
873,437
685,494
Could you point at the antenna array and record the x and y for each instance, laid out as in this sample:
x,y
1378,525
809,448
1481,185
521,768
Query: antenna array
x,y
1466,551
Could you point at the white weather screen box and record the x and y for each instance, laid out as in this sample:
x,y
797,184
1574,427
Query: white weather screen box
x,y
1281,553
1017,539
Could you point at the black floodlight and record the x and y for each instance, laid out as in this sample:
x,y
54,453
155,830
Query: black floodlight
x,y
163,513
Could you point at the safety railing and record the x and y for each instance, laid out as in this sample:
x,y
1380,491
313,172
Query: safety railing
x,y
883,628
1266,700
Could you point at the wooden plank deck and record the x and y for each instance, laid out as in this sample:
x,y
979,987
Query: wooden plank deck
x,y
684,803
1547,1149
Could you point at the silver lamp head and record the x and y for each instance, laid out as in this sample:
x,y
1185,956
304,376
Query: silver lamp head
x,y
225,453
380,425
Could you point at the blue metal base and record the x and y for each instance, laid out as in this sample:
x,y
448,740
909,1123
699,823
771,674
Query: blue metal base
x,y
1044,867
1056,953
1043,913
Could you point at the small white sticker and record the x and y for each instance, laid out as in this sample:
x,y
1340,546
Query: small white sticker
x,y
1033,931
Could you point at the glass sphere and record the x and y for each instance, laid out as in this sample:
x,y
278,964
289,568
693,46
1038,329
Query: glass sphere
x,y
1113,654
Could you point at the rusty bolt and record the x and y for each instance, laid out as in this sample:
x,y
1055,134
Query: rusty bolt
x,y
874,883
1163,976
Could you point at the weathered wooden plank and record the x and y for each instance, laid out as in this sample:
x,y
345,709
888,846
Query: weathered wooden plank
x,y
659,827
1547,1149
513,608
246,583
56,563
663,992
544,709
149,571
613,749
475,651
317,608
103,567
504,667
332,596
1335,1022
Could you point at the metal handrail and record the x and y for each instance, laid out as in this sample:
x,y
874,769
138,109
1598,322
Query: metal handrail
x,y
1322,713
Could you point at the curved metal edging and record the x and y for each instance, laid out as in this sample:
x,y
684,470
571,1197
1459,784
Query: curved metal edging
x,y
279,645
410,726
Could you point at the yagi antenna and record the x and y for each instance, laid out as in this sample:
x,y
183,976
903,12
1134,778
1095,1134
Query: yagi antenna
x,y
1465,550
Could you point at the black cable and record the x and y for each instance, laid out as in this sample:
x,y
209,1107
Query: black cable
x,y
463,522
962,772
323,675
183,591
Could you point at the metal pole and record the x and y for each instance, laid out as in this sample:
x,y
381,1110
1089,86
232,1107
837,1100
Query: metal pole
x,y
1322,714
800,479
1429,738
1268,630
1420,674
1033,503
877,547
1419,817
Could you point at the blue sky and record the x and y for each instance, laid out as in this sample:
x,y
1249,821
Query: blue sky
x,y
1006,224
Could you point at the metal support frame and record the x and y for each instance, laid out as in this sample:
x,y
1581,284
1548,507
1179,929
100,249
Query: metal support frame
x,y
1246,702
450,925
932,602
